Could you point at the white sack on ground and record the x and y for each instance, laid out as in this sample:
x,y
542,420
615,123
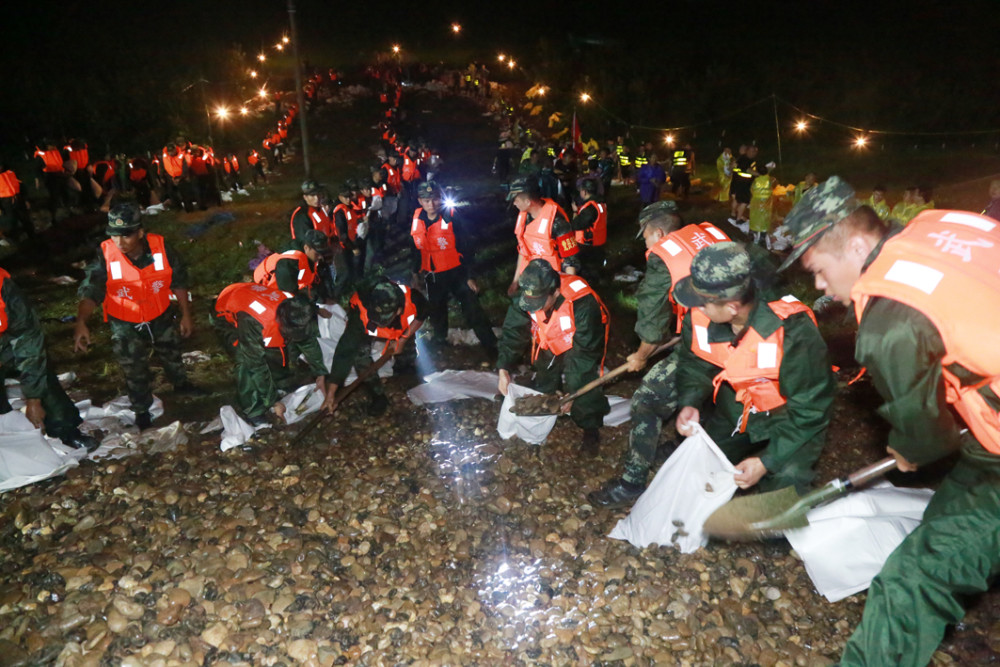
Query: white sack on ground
x,y
235,431
466,336
696,480
621,411
532,430
302,402
27,456
332,328
451,385
848,540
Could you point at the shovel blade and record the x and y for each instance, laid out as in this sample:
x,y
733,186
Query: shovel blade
x,y
758,516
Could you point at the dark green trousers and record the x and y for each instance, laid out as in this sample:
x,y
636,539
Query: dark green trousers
x,y
133,345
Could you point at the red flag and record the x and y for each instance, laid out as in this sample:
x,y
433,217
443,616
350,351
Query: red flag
x,y
577,136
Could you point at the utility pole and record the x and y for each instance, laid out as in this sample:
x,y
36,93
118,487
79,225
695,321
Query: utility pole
x,y
777,127
299,96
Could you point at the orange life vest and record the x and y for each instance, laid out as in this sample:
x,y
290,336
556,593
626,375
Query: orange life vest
x,y
136,174
81,155
534,239
173,164
392,178
264,273
753,367
3,306
599,231
410,171
677,249
320,220
388,333
53,160
253,158
9,185
944,265
105,171
132,294
436,242
556,333
352,220
260,303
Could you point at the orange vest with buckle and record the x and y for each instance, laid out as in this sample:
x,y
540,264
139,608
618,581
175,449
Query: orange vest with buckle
x,y
173,164
556,333
253,158
944,265
257,301
599,232
677,249
410,171
753,367
132,294
352,220
534,239
136,174
388,333
81,155
264,273
9,185
3,306
53,160
319,219
436,243
393,180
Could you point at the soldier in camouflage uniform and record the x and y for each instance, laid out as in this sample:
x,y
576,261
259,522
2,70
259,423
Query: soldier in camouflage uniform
x,y
143,272
22,353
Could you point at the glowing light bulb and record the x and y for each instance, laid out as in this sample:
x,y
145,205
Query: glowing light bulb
x,y
801,126
263,93
501,57
222,112
261,57
395,48
284,39
511,64
456,28
244,111
861,141
584,97
253,74
669,140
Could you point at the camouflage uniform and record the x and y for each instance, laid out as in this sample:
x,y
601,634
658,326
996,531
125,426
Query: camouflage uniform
x,y
133,344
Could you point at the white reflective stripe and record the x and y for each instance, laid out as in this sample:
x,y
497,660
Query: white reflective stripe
x,y
256,307
413,227
158,261
969,220
409,320
302,272
577,285
672,247
316,216
565,323
116,270
267,341
921,277
289,252
402,288
600,207
701,335
788,298
767,355
288,294
534,315
444,225
543,226
714,231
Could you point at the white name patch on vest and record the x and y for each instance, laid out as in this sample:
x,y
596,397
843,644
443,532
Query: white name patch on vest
x,y
716,233
919,276
701,336
672,247
767,355
565,323
969,220
158,261
256,307
115,268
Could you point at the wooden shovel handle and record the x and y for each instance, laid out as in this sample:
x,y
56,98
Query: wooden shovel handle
x,y
611,375
871,472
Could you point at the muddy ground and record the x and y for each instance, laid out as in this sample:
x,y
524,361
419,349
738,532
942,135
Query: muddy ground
x,y
417,538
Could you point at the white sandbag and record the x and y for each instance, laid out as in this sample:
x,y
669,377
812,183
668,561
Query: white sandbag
x,y
533,430
466,336
621,411
113,414
27,456
452,385
848,540
331,329
235,431
302,402
696,480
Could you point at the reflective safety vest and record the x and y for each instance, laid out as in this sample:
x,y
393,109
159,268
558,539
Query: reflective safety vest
x,y
677,249
640,161
81,155
132,294
681,159
136,174
104,171
555,334
624,159
410,171
739,173
231,165
352,220
259,302
393,179
9,185
319,218
3,306
53,160
944,265
753,366
436,242
599,231
264,273
253,158
388,333
534,239
173,164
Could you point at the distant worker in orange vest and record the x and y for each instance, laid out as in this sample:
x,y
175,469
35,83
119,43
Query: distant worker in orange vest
x,y
543,231
174,172
256,162
441,258
590,226
761,363
142,286
52,174
14,214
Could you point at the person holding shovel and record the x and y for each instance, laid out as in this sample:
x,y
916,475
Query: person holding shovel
x,y
386,311
927,300
566,325
762,364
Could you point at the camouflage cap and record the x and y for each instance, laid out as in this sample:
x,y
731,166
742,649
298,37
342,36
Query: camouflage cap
x,y
384,302
123,219
537,281
719,272
589,185
428,190
655,210
527,185
295,316
311,187
820,208
315,239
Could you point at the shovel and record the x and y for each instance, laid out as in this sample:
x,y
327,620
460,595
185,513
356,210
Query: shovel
x,y
551,404
770,514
